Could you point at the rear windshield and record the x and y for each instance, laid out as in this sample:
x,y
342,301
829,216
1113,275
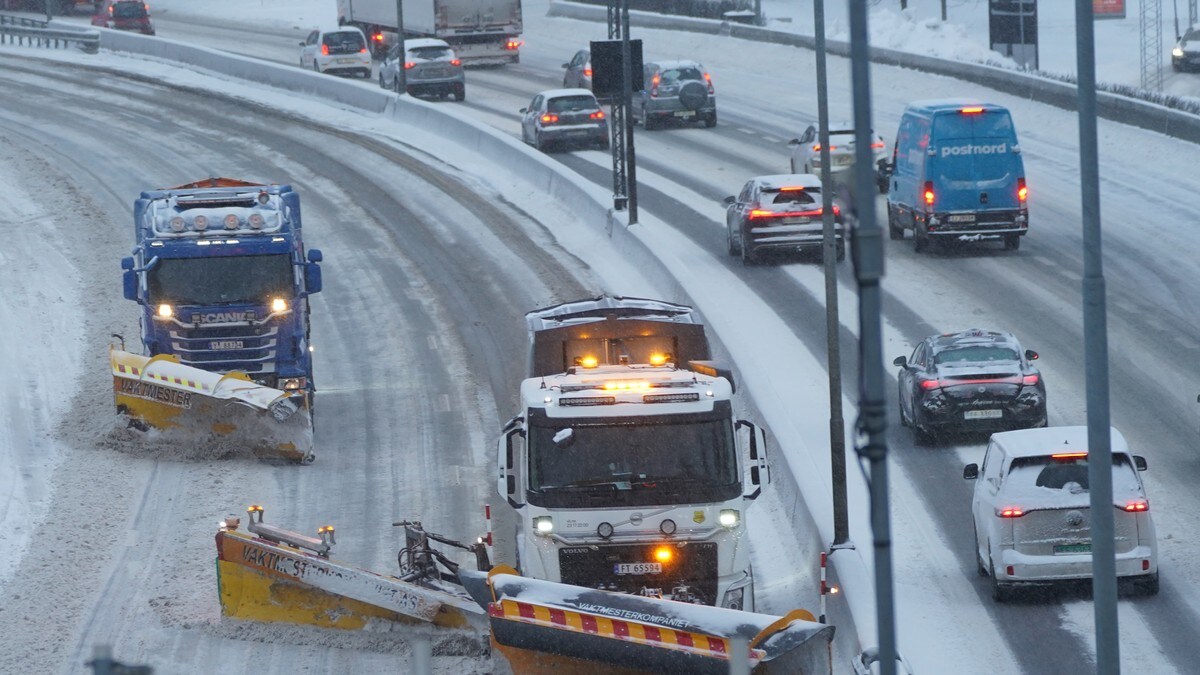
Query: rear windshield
x,y
1070,474
128,10
681,74
805,196
975,354
345,42
569,103
431,53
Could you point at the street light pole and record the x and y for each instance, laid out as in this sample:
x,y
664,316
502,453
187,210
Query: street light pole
x,y
627,98
837,425
402,55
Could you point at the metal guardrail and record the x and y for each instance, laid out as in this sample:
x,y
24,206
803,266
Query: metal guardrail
x,y
23,31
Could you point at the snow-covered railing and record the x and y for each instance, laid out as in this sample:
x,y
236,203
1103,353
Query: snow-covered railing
x,y
23,31
1115,107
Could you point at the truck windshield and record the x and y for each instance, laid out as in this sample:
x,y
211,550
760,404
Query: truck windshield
x,y
250,279
659,459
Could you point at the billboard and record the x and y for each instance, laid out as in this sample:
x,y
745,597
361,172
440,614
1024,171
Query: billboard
x,y
1108,9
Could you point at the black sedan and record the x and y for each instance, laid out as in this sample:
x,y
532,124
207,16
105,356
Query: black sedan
x,y
975,380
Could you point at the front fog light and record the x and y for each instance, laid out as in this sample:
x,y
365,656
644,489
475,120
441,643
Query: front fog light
x,y
543,525
729,518
734,598
165,311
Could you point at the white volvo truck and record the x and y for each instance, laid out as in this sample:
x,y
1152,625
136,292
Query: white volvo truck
x,y
625,465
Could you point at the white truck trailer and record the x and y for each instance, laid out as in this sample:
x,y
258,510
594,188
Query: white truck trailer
x,y
626,466
480,31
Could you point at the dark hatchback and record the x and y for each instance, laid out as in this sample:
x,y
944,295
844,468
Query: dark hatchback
x,y
974,380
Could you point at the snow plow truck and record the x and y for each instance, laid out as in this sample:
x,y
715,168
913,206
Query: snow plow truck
x,y
223,279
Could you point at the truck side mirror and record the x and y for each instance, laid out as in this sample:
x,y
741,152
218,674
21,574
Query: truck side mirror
x,y
1140,463
971,471
760,473
312,277
506,483
129,283
314,255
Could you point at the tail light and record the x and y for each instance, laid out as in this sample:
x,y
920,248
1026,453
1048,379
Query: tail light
x,y
877,145
598,115
324,50
513,43
971,111
378,37
363,50
837,210
1010,512
928,194
456,62
928,385
549,118
817,147
1069,455
1022,191
1137,505
654,86
760,213
1030,380
409,65
587,72
708,79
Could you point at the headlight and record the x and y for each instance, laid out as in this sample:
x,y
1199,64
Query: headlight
x,y
278,305
734,598
729,518
1177,52
543,525
165,311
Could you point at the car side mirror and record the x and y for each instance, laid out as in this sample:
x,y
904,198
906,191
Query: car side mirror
x,y
523,110
566,65
1140,463
1031,355
303,44
885,167
794,141
971,471
731,199
901,361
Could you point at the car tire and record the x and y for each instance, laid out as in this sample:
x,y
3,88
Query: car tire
x,y
460,93
999,593
316,66
396,86
921,435
711,120
382,84
734,245
792,165
648,122
904,422
1012,242
839,254
749,257
1149,585
979,566
537,142
895,229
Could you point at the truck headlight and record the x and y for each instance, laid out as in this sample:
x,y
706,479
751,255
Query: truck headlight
x,y
166,311
543,525
278,305
293,383
734,598
729,518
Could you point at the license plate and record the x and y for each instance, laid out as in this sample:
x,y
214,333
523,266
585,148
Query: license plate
x,y
797,220
217,345
1073,548
961,218
983,414
843,160
637,568
346,60
685,113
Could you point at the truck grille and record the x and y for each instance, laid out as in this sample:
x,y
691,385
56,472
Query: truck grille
x,y
247,348
693,565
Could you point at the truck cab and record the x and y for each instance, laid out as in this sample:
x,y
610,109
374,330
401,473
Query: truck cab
x,y
223,278
627,470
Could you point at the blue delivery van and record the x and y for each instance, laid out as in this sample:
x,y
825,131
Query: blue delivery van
x,y
956,174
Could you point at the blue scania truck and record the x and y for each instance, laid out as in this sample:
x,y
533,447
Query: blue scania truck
x,y
224,280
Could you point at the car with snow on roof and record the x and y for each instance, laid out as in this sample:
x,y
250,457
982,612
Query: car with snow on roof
x,y
973,380
780,213
561,117
431,68
806,150
131,15
1032,511
341,50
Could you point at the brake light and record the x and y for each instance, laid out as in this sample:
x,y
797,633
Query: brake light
x,y
1137,505
761,213
654,85
1069,455
409,65
513,43
878,145
1011,512
378,37
456,62
363,50
598,115
708,79
930,384
587,72
549,118
929,193
791,189
837,210
817,148
1022,191
1030,380
971,111
324,50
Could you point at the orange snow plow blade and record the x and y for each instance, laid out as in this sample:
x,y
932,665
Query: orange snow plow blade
x,y
162,393
543,627
274,575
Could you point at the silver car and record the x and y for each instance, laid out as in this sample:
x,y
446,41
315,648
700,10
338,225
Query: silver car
x,y
676,90
806,150
1032,511
579,71
564,117
431,69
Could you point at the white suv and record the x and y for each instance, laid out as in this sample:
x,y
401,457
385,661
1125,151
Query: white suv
x,y
341,50
1032,513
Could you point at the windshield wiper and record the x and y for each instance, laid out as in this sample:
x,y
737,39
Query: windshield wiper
x,y
590,485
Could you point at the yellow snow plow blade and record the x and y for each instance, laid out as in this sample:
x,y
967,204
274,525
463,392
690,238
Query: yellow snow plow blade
x,y
275,575
162,393
543,627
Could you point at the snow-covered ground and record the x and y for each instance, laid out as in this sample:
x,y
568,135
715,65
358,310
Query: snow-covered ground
x,y
743,324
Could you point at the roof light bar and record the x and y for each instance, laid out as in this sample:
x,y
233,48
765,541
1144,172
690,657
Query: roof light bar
x,y
588,400
671,398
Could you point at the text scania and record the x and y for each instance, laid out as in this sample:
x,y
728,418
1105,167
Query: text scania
x,y
996,149
222,317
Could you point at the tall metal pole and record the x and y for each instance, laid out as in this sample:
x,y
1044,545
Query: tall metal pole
x,y
868,270
402,77
837,425
1095,338
627,97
